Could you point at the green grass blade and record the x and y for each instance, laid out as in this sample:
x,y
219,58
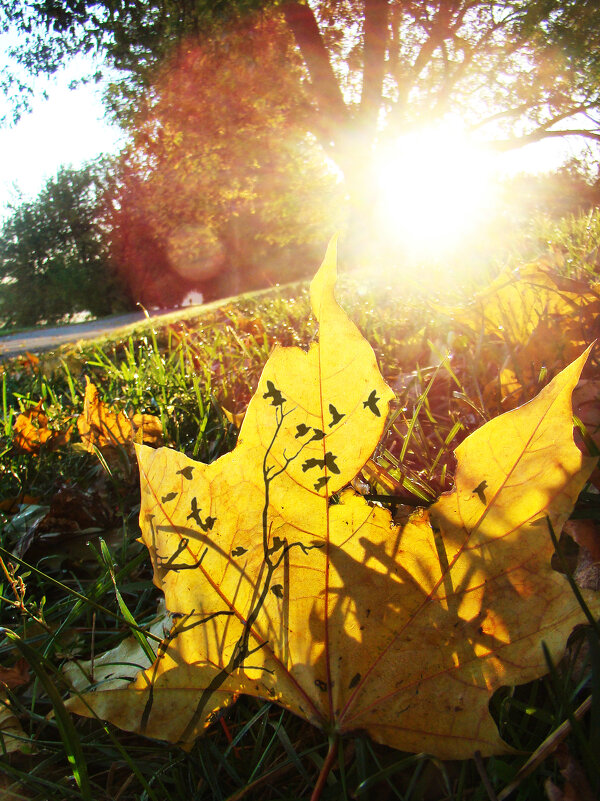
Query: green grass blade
x,y
136,630
68,733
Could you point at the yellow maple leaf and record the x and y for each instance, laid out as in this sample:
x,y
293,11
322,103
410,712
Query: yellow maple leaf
x,y
518,300
287,586
543,321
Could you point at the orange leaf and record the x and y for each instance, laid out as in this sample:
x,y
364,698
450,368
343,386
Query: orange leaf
x,y
15,676
31,432
100,427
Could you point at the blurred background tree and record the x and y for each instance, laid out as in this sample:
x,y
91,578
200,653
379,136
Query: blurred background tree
x,y
220,174
341,83
54,259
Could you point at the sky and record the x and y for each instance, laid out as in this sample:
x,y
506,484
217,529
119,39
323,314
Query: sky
x,y
68,129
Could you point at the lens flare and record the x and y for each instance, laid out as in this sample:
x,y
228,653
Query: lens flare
x,y
435,187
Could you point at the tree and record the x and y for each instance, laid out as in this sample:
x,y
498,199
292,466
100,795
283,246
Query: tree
x,y
53,259
522,67
514,71
220,188
574,189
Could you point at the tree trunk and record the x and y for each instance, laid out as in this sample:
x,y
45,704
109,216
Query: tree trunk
x,y
349,139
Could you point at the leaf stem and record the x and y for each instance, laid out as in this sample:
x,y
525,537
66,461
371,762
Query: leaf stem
x,y
326,769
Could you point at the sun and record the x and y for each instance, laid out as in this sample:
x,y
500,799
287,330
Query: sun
x,y
434,188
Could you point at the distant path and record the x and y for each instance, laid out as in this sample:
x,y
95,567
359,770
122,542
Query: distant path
x,y
41,339
48,338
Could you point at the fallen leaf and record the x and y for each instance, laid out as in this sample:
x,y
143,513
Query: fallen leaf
x,y
543,320
586,405
12,736
251,326
586,571
577,786
586,534
517,301
28,361
511,389
31,432
73,515
150,427
289,587
100,427
235,418
15,676
11,505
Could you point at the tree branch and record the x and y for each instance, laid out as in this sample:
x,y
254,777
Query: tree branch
x,y
536,136
515,112
375,43
443,26
325,88
541,131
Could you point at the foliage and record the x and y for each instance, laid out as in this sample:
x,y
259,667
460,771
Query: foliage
x,y
53,257
406,58
220,189
573,189
60,587
513,72
100,428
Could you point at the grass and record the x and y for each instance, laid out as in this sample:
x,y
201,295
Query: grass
x,y
74,581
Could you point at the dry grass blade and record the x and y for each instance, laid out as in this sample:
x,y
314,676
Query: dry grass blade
x,y
548,747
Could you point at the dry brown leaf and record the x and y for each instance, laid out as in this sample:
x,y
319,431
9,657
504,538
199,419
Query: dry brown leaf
x,y
74,514
11,505
586,533
12,736
586,405
576,787
15,676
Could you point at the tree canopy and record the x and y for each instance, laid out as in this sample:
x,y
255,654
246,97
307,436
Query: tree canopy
x,y
54,261
515,70
358,74
219,175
